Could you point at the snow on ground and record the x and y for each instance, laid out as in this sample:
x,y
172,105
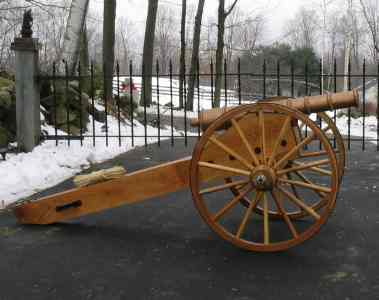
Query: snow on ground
x,y
357,125
27,173
202,98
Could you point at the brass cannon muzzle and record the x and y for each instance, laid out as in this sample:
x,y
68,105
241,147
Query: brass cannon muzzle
x,y
307,105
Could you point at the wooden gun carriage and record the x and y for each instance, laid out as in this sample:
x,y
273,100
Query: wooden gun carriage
x,y
263,176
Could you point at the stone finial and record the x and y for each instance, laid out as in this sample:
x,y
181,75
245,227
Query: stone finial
x,y
27,23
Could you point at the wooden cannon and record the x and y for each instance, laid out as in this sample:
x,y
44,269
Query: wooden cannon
x,y
263,176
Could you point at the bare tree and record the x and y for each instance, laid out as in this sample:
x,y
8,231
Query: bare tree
x,y
348,42
165,36
333,39
195,53
250,33
222,15
26,4
109,46
95,36
121,44
243,32
148,51
49,26
126,43
74,28
182,53
370,10
302,29
211,39
85,61
231,26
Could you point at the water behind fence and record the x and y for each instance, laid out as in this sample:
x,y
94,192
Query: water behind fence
x,y
125,122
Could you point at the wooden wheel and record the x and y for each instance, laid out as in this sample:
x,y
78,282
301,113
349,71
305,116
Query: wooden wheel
x,y
332,133
255,149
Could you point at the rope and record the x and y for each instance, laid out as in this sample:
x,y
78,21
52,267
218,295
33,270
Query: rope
x,y
99,176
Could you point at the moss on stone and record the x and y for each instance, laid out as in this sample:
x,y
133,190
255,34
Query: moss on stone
x,y
5,100
4,137
6,84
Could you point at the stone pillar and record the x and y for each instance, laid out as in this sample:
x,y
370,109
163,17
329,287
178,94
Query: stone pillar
x,y
27,92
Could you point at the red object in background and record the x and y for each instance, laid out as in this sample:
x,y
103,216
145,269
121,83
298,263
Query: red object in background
x,y
125,87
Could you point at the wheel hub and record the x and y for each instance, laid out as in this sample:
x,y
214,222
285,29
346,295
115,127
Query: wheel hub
x,y
263,178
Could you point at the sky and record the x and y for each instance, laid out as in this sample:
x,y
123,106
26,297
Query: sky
x,y
277,12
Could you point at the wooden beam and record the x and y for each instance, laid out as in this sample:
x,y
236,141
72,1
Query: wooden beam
x,y
131,188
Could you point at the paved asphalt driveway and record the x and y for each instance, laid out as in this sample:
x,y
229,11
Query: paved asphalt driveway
x,y
161,249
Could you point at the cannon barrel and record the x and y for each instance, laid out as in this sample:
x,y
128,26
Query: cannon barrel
x,y
308,105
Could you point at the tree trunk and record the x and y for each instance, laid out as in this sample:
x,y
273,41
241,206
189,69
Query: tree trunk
x,y
195,54
182,54
219,52
148,51
371,16
72,37
348,43
84,61
108,47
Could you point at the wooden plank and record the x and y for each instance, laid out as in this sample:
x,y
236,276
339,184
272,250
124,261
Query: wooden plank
x,y
131,188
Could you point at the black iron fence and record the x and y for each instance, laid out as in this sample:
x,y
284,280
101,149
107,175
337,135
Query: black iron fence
x,y
127,118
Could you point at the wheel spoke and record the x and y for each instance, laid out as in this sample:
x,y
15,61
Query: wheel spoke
x,y
315,169
306,180
245,141
321,171
294,190
240,183
307,185
301,166
282,211
283,131
224,168
313,154
248,213
230,152
299,203
230,205
266,221
294,149
261,122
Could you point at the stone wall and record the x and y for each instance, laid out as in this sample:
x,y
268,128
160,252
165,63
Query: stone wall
x,y
7,112
56,108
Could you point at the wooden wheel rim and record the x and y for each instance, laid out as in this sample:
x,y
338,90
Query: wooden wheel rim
x,y
340,145
218,228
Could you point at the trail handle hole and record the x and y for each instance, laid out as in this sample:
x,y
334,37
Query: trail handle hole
x,y
67,206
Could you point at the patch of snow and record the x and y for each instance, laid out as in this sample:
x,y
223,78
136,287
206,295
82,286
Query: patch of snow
x,y
202,98
357,125
27,173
